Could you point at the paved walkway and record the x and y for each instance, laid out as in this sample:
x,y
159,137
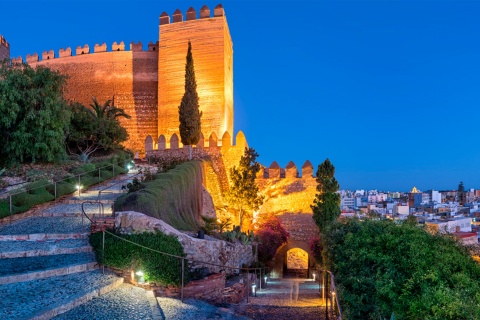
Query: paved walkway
x,y
46,264
285,299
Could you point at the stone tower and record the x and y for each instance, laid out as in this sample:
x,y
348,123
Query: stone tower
x,y
4,49
212,51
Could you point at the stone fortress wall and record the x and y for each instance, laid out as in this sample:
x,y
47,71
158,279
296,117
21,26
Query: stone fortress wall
x,y
288,194
128,77
149,83
219,156
4,49
212,51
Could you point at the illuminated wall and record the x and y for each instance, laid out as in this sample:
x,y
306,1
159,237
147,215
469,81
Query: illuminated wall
x,y
149,84
128,77
4,49
213,61
297,259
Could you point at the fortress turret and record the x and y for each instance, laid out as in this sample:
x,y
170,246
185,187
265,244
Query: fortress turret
x,y
4,49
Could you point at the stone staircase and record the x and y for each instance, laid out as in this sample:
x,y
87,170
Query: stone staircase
x,y
48,269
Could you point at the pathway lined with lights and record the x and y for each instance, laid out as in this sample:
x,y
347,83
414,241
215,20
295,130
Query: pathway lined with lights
x,y
285,299
47,266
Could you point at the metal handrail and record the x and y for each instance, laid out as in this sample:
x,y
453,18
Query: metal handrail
x,y
327,295
264,269
102,191
10,195
101,211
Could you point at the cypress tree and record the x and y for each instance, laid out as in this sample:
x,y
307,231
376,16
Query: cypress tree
x,y
326,206
188,111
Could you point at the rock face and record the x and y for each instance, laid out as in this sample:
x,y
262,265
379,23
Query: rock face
x,y
208,250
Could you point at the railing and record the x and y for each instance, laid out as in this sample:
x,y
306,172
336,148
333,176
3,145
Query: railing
x,y
101,210
328,292
183,259
54,183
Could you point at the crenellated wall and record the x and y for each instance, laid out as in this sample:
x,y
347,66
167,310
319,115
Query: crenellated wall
x,y
149,84
220,155
212,51
4,49
128,77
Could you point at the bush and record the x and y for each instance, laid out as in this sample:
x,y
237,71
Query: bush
x,y
157,268
63,188
271,235
173,196
382,268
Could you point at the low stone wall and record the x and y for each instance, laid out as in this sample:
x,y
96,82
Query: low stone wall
x,y
208,250
209,288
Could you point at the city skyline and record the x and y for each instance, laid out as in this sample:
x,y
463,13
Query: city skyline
x,y
385,90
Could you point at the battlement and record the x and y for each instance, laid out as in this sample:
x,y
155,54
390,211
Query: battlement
x,y
191,14
174,142
97,48
4,49
3,42
290,171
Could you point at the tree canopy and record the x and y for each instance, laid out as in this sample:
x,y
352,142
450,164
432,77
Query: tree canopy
x,y
382,268
326,205
95,127
34,113
188,111
243,194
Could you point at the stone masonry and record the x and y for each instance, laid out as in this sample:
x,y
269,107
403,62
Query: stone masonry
x,y
210,250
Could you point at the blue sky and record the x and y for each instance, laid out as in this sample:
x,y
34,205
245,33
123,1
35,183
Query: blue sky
x,y
387,90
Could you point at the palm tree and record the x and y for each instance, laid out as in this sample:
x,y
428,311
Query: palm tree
x,y
107,110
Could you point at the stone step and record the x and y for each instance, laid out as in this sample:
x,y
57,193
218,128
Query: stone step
x,y
49,297
46,225
19,249
43,236
30,268
126,301
73,209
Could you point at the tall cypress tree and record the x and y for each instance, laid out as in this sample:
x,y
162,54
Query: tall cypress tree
x,y
326,206
188,111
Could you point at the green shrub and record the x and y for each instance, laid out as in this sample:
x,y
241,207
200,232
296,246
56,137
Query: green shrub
x,y
157,268
174,197
87,167
24,201
63,188
4,208
382,268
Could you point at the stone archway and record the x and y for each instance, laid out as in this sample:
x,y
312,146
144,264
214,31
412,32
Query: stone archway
x,y
299,254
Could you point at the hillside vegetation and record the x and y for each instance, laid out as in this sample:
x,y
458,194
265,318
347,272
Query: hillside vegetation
x,y
383,268
174,196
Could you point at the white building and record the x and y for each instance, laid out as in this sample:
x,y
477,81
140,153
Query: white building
x,y
459,224
436,196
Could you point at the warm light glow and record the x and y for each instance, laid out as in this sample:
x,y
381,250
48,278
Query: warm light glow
x,y
139,273
78,187
314,275
129,167
297,259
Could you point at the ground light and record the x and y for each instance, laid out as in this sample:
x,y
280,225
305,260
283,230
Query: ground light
x,y
254,290
129,166
314,275
139,276
78,187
